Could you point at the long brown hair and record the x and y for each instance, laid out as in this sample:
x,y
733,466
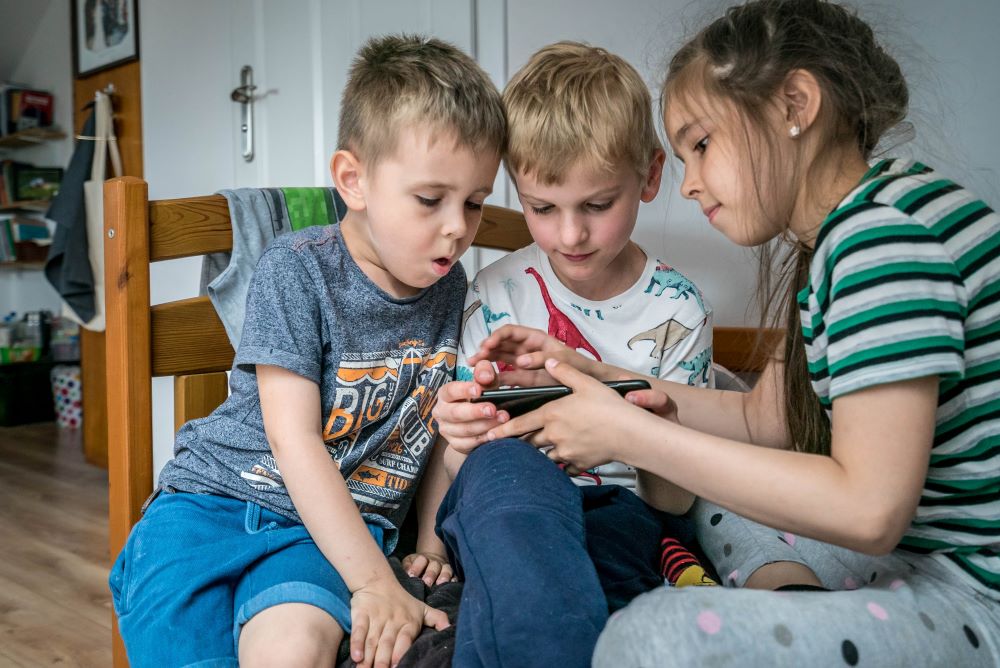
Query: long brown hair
x,y
741,60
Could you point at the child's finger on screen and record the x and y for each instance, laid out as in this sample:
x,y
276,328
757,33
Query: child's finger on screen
x,y
484,373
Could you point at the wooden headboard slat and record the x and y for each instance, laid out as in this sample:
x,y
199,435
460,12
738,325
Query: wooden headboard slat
x,y
736,347
189,338
189,226
200,225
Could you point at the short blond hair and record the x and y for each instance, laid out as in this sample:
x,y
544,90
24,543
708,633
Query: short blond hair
x,y
396,80
574,102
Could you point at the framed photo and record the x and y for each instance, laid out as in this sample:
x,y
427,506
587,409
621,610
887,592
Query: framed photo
x,y
105,34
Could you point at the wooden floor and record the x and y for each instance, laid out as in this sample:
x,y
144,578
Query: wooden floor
x,y
55,608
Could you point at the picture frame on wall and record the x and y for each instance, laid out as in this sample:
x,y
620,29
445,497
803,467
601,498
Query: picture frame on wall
x,y
105,34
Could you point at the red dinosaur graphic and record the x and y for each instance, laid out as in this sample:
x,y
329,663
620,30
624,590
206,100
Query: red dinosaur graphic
x,y
560,326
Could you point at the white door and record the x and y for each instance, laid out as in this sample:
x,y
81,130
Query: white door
x,y
300,50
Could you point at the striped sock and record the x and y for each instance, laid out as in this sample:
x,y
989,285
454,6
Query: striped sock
x,y
681,568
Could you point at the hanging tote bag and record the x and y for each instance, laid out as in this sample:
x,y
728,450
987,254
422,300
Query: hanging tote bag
x,y
106,143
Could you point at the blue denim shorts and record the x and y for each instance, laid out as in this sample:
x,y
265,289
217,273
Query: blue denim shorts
x,y
197,567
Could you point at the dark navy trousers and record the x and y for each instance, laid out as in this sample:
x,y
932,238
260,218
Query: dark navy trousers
x,y
543,560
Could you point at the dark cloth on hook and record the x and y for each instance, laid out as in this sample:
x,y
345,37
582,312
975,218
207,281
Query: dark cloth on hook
x,y
68,265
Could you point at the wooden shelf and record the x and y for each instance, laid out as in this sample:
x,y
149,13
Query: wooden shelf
x,y
18,265
35,206
31,137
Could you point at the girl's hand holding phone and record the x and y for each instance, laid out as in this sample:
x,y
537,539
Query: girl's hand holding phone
x,y
586,428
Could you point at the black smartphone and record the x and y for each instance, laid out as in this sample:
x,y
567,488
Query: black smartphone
x,y
520,400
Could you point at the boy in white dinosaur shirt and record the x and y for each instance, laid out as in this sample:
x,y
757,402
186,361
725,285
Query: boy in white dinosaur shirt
x,y
584,281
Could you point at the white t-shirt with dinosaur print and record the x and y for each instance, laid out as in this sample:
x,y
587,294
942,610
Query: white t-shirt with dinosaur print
x,y
661,326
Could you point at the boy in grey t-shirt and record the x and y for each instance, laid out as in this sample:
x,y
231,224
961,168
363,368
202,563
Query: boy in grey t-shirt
x,y
268,540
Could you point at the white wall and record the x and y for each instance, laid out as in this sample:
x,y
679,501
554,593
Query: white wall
x,y
950,55
46,64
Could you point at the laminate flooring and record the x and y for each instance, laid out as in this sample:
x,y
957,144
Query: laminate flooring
x,y
55,608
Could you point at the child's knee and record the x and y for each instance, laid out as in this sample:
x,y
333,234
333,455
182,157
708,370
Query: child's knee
x,y
511,469
503,453
290,634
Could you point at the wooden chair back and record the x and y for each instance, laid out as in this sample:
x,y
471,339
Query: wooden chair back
x,y
185,339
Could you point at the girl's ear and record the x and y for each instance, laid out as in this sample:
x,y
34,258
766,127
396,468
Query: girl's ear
x,y
348,173
651,185
801,96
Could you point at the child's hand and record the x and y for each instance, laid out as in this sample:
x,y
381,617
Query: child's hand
x,y
524,350
385,620
431,568
584,429
464,424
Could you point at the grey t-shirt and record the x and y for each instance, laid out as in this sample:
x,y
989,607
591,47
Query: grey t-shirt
x,y
378,361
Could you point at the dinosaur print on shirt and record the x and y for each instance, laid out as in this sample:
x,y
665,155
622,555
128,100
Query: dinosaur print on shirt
x,y
560,326
666,276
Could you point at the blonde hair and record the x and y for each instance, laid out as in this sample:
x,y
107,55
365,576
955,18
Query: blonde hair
x,y
574,102
396,80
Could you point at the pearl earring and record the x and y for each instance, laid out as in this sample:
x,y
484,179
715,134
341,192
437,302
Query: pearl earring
x,y
794,131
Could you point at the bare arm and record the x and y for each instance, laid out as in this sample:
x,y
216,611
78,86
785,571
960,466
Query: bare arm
x,y
863,496
752,417
385,618
755,417
291,408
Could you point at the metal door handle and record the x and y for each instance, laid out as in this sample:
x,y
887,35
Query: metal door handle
x,y
244,95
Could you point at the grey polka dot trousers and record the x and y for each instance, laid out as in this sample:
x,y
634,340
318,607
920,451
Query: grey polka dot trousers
x,y
897,610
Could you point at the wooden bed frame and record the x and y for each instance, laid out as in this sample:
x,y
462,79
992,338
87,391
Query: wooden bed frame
x,y
185,339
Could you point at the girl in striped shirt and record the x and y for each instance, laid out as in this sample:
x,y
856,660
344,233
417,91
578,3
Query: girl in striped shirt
x,y
867,458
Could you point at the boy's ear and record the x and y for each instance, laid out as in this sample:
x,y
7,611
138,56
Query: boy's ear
x,y
348,173
801,96
651,185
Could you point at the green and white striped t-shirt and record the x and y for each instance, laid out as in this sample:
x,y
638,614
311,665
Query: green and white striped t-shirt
x,y
905,283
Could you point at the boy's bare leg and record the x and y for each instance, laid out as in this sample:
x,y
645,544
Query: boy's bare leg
x,y
290,634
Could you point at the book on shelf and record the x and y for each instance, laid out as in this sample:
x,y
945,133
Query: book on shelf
x,y
5,88
23,238
20,182
36,183
23,107
8,251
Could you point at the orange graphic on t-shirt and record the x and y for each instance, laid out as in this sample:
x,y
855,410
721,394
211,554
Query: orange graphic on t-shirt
x,y
369,476
379,478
